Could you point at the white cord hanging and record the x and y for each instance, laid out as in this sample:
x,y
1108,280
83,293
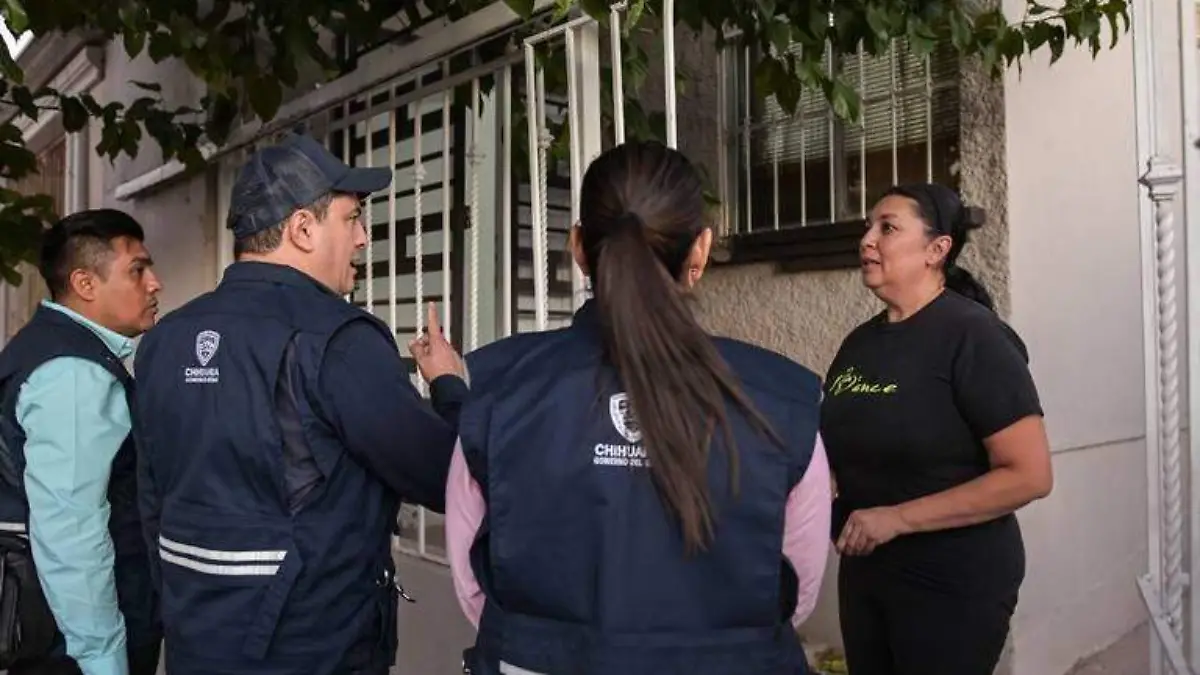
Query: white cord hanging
x,y
419,248
545,140
392,120
476,159
367,216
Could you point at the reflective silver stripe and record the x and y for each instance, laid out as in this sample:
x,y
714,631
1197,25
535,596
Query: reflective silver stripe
x,y
219,570
221,556
510,669
12,527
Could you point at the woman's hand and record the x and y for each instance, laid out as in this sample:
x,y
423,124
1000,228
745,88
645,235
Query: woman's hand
x,y
866,529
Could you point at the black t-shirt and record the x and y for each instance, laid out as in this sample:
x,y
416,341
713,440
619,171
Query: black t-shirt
x,y
907,406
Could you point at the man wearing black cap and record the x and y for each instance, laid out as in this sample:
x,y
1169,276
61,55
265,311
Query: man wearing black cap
x,y
280,430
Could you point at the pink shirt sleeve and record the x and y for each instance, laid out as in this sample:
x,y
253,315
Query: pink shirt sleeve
x,y
805,539
465,509
806,531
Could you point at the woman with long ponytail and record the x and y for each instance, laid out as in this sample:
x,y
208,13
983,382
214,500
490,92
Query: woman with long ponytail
x,y
936,438
632,495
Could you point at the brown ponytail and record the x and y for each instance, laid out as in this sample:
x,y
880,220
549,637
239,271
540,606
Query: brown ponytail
x,y
641,212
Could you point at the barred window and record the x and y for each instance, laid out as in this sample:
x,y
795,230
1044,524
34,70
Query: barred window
x,y
783,172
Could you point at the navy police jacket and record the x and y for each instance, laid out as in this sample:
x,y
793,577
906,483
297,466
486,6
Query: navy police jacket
x,y
49,335
268,500
583,570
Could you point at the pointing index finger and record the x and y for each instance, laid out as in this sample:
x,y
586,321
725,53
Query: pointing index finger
x,y
435,328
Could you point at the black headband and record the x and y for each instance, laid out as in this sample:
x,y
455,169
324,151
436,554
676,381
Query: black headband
x,y
942,207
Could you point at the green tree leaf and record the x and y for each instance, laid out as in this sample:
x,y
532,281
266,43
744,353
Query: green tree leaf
x,y
15,17
634,13
162,46
25,102
781,35
523,8
265,96
74,114
135,41
1058,40
9,68
845,100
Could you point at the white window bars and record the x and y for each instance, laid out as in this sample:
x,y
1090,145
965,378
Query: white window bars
x,y
438,129
580,37
812,168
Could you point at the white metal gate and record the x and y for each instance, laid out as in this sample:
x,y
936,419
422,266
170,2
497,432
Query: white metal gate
x,y
468,223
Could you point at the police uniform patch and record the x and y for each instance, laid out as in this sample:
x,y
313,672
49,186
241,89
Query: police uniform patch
x,y
207,342
623,419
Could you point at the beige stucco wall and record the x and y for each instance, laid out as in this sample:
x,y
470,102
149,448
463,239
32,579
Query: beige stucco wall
x,y
1076,293
179,217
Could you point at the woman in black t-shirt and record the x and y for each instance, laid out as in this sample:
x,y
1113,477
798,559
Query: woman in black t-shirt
x,y
934,433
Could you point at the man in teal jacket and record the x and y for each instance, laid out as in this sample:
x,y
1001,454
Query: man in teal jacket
x,y
66,421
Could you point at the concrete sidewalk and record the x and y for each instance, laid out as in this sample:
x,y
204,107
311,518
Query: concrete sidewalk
x,y
1128,656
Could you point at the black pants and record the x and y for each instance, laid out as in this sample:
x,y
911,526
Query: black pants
x,y
373,653
892,626
142,661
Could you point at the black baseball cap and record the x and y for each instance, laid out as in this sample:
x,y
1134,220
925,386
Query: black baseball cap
x,y
281,178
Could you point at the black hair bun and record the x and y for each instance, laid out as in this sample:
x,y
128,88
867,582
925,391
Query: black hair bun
x,y
973,217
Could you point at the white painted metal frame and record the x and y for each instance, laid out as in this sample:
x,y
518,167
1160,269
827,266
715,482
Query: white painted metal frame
x,y
506,223
537,189
618,71
669,71
1173,526
437,45
226,174
540,140
447,123
1146,140
582,45
1189,43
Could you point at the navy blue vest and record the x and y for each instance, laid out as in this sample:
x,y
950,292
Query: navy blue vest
x,y
582,567
249,583
48,335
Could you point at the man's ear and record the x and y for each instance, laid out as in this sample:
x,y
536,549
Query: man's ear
x,y
83,283
299,230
